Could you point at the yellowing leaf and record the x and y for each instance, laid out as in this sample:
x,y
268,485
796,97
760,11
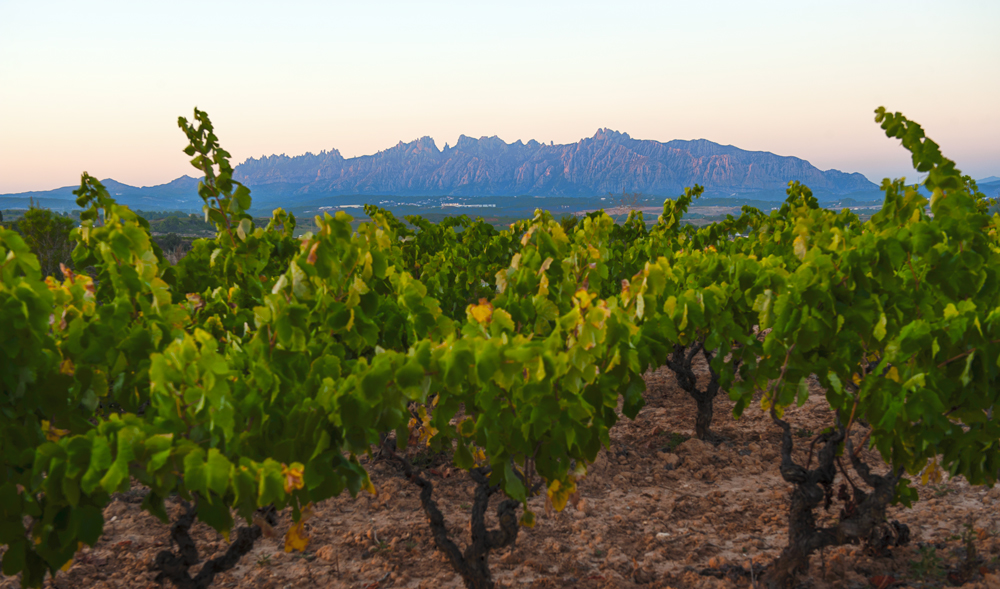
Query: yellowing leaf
x,y
482,312
66,367
527,235
293,476
799,245
559,493
67,273
893,374
427,431
767,402
584,298
545,266
528,519
369,487
501,281
52,433
543,285
196,301
931,474
515,262
670,306
296,538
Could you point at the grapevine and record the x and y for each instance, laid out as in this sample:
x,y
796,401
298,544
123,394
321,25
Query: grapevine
x,y
252,376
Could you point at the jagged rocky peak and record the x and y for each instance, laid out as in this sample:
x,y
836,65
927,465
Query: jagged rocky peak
x,y
482,145
325,155
488,166
466,142
423,145
704,147
607,134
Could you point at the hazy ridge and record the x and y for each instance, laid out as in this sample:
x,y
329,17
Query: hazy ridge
x,y
607,162
489,168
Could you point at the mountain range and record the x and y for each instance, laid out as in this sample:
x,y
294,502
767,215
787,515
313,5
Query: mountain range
x,y
609,162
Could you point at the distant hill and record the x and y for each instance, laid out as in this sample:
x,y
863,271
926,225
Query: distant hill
x,y
989,186
179,194
608,162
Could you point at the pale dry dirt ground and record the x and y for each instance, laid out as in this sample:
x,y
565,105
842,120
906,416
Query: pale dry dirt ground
x,y
651,514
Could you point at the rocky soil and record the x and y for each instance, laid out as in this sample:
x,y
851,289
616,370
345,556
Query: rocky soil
x,y
657,509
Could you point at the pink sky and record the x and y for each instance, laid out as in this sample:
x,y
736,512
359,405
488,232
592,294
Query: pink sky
x,y
99,88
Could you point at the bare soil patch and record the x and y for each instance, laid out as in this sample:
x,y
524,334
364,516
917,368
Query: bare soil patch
x,y
657,510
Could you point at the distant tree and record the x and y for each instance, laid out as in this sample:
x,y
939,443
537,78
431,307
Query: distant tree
x,y
569,222
170,224
47,234
629,201
168,242
1,216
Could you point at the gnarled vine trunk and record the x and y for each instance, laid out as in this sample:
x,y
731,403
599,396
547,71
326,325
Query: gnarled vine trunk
x,y
862,520
681,363
174,567
473,564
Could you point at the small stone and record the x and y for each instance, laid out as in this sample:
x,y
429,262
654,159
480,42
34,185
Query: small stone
x,y
325,553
